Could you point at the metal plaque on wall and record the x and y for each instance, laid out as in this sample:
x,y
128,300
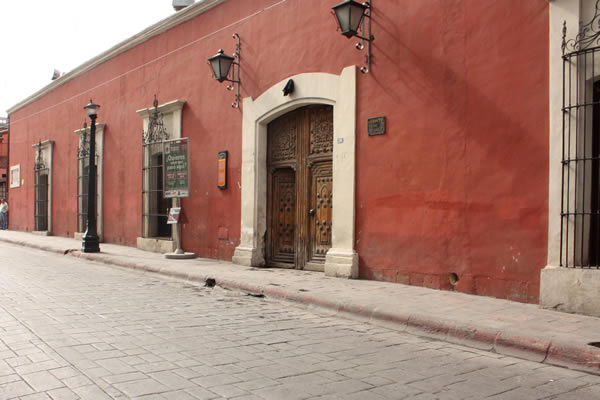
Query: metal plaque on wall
x,y
376,126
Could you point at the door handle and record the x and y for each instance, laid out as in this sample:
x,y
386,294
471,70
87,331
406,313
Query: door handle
x,y
311,212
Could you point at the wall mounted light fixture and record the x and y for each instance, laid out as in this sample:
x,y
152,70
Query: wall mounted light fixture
x,y
350,17
221,65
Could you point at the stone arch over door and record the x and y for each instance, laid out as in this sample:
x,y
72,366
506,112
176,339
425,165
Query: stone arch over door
x,y
338,91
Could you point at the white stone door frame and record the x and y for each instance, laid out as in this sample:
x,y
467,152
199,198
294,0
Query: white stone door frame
x,y
338,91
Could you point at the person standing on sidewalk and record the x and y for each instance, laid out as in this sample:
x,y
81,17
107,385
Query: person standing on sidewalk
x,y
3,214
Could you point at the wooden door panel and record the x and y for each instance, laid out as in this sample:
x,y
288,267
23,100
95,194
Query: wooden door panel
x,y
299,161
283,216
321,202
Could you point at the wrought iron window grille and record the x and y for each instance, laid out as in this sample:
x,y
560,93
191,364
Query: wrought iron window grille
x,y
156,131
41,190
155,212
83,153
589,34
84,143
39,159
580,181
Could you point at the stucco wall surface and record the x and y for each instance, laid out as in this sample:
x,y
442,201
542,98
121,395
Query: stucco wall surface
x,y
458,184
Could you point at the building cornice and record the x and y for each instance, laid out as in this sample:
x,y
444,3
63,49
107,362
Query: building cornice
x,y
166,108
99,127
43,144
147,34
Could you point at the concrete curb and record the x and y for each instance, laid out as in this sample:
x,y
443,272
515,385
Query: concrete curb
x,y
538,349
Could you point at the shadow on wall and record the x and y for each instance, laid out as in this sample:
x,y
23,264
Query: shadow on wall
x,y
491,176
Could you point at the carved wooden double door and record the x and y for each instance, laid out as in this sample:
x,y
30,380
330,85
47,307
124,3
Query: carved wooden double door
x,y
299,192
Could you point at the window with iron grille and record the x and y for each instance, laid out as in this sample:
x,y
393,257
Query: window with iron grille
x,y
82,193
41,198
41,190
580,201
155,206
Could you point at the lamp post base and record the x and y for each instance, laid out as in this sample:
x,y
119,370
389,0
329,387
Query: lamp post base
x,y
90,244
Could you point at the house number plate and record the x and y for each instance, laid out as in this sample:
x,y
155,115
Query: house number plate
x,y
376,126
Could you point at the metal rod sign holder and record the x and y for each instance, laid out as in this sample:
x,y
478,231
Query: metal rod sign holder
x,y
176,167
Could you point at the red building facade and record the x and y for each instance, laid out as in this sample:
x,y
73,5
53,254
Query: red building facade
x,y
454,194
3,158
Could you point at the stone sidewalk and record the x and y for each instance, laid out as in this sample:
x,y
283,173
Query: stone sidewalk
x,y
504,327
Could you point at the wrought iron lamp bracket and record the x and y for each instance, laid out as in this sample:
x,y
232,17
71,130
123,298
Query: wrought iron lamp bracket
x,y
368,38
236,82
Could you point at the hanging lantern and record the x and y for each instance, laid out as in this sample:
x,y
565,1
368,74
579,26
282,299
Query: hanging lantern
x,y
350,15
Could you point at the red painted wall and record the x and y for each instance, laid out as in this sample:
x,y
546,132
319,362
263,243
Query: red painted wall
x,y
458,184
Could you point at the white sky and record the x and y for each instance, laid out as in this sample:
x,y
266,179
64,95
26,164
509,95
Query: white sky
x,y
37,36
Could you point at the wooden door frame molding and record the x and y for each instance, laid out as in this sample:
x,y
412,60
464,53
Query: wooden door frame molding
x,y
338,91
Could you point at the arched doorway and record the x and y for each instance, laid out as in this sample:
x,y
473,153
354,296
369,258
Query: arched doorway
x,y
338,91
299,188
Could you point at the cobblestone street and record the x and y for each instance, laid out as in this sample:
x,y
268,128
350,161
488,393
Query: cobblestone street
x,y
73,329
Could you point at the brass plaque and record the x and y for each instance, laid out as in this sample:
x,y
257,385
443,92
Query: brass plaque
x,y
376,126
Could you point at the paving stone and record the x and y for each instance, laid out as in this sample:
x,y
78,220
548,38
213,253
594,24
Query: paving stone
x,y
76,381
257,384
91,392
18,361
282,392
171,380
64,372
63,394
42,381
199,393
108,333
131,376
36,396
155,367
14,389
215,380
37,367
141,387
228,391
9,378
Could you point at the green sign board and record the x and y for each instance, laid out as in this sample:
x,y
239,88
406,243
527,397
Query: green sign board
x,y
176,167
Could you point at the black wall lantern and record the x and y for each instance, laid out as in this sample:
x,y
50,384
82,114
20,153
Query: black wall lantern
x,y
350,17
221,65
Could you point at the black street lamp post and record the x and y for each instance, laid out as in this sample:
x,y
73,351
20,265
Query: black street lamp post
x,y
90,242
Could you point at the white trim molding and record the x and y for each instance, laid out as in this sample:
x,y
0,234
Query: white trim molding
x,y
565,289
100,181
310,88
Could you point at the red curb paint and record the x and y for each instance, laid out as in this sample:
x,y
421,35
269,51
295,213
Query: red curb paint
x,y
585,358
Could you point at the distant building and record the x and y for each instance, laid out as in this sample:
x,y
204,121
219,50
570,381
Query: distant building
x,y
443,166
3,158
